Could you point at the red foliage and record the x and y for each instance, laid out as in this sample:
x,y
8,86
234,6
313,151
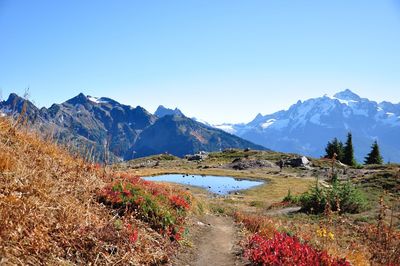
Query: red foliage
x,y
133,234
179,202
286,250
164,208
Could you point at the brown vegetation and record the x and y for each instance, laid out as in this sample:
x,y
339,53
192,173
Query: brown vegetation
x,y
49,213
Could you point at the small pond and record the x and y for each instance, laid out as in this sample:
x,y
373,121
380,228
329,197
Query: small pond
x,y
221,185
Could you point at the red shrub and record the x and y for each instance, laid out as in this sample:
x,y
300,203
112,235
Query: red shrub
x,y
286,250
179,202
133,234
162,207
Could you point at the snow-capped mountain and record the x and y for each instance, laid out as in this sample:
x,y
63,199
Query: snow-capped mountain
x,y
307,126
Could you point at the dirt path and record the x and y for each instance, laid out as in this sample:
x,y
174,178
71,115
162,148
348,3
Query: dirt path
x,y
214,243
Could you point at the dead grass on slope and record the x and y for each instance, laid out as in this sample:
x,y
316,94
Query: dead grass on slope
x,y
49,213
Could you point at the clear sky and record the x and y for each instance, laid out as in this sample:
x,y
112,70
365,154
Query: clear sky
x,y
222,61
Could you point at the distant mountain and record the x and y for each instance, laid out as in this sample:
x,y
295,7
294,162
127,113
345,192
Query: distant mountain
x,y
102,127
163,111
180,135
307,126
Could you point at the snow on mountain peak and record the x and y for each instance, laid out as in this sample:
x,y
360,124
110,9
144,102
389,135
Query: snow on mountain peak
x,y
97,100
93,99
347,95
230,128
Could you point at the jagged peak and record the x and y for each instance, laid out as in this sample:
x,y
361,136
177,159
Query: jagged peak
x,y
16,103
79,99
258,116
141,108
163,111
347,95
14,98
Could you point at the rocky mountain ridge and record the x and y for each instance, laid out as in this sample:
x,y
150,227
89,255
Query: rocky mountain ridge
x,y
108,130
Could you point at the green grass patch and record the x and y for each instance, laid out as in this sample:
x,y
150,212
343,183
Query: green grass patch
x,y
343,197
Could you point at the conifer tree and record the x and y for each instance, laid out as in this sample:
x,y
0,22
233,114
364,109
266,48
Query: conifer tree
x,y
348,156
336,146
374,157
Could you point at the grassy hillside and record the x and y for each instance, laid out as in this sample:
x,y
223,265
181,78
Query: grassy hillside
x,y
57,209
369,237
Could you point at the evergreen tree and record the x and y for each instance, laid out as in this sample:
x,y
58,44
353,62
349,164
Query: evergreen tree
x,y
336,146
348,155
374,157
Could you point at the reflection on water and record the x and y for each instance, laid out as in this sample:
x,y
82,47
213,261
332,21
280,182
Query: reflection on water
x,y
216,184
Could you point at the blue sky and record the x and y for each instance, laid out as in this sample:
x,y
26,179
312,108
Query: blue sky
x,y
222,61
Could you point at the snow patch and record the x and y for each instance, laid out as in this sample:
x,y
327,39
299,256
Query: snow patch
x,y
96,100
280,124
316,119
346,102
354,107
268,123
227,128
201,121
93,99
388,118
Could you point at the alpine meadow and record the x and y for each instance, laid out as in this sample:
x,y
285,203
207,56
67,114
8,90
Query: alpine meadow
x,y
226,133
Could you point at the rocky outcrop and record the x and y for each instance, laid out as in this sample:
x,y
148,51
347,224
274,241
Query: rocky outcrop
x,y
163,111
200,156
243,164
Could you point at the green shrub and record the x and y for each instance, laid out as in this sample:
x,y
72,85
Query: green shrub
x,y
343,197
290,198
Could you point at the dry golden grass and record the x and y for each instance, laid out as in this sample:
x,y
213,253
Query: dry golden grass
x,y
6,162
49,213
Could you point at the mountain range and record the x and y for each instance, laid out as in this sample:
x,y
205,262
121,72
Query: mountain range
x,y
108,130
307,126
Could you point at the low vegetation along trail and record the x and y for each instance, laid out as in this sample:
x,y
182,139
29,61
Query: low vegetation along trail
x,y
214,243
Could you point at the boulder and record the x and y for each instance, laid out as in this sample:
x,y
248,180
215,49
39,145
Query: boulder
x,y
297,162
197,157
